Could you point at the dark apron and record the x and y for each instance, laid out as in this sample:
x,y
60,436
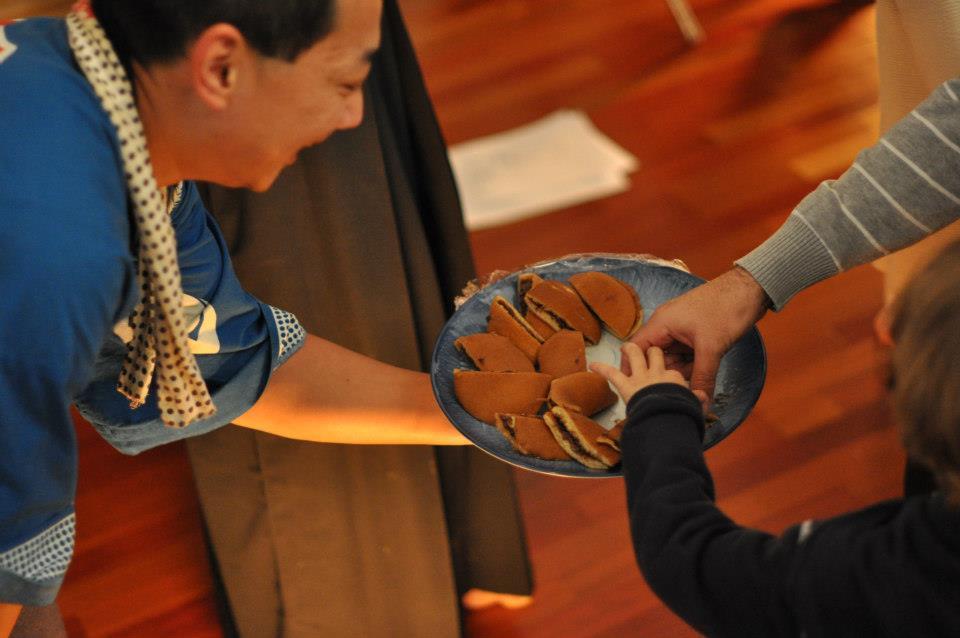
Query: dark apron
x,y
363,240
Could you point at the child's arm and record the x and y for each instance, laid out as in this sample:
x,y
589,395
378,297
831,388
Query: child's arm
x,y
892,569
698,561
722,579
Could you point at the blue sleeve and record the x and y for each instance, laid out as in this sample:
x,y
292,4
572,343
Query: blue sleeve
x,y
238,341
64,269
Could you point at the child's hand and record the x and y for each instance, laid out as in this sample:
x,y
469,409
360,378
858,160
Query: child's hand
x,y
644,371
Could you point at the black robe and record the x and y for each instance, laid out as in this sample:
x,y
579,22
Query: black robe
x,y
362,239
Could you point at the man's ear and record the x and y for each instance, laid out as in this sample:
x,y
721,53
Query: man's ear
x,y
217,59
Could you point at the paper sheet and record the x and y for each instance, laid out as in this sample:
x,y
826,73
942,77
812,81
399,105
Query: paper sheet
x,y
558,161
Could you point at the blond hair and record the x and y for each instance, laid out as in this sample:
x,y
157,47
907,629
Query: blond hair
x,y
926,368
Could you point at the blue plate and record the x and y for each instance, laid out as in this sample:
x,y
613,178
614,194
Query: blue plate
x,y
739,380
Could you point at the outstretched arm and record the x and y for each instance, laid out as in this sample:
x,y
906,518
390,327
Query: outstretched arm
x,y
868,572
865,573
685,547
326,393
897,192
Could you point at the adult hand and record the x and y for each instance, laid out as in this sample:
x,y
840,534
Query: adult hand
x,y
644,371
697,328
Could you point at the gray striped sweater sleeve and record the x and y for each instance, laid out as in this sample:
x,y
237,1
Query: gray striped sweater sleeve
x,y
896,193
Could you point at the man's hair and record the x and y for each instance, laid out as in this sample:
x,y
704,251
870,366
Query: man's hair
x,y
926,368
150,31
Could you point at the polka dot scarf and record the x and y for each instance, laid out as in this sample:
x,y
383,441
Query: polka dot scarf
x,y
159,347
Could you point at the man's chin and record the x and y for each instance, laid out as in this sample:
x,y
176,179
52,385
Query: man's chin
x,y
257,182
261,187
263,184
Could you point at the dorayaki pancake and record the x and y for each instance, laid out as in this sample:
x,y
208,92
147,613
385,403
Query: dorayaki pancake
x,y
493,353
617,429
612,437
562,354
526,281
530,435
584,392
578,436
615,302
539,325
483,394
507,425
506,321
562,309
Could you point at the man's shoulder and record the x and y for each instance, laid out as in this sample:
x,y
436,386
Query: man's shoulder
x,y
55,138
33,48
39,80
62,194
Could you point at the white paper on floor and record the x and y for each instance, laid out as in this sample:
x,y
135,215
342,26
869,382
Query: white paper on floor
x,y
557,161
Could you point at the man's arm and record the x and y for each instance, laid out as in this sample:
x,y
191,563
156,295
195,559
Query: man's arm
x,y
321,392
897,192
329,394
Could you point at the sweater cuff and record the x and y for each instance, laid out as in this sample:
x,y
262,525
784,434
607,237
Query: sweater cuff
x,y
793,258
663,397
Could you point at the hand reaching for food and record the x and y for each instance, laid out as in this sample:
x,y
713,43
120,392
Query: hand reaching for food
x,y
645,370
697,328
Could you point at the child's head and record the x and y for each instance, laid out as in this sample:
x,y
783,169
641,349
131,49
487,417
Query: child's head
x,y
926,368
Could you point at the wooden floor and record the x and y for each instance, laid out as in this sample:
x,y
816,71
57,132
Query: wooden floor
x,y
730,135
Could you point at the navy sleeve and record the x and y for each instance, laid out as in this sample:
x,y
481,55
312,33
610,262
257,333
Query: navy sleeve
x,y
892,569
64,269
723,579
238,341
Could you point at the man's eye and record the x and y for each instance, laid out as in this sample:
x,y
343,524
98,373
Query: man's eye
x,y
350,88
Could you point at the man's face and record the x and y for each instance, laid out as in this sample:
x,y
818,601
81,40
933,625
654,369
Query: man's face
x,y
287,107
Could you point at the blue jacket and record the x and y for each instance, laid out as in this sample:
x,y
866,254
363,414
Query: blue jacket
x,y
68,284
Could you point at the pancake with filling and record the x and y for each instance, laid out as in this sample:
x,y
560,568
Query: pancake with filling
x,y
483,394
493,353
584,392
539,325
612,437
562,309
562,354
578,436
526,281
530,435
506,321
613,301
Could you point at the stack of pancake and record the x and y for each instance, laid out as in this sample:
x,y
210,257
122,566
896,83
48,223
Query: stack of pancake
x,y
531,380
